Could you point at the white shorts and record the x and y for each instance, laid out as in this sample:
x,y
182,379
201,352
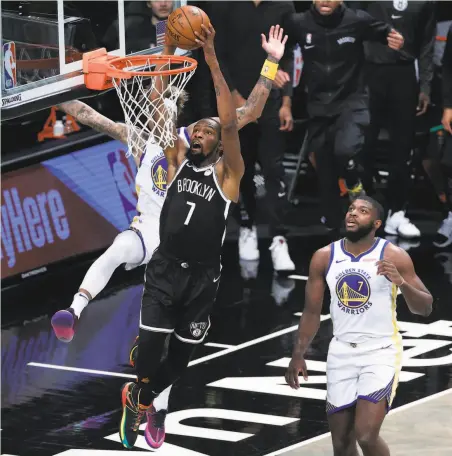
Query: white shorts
x,y
148,231
368,371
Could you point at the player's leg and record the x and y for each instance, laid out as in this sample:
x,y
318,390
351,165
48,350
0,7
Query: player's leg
x,y
156,324
342,427
169,372
127,247
272,144
342,388
191,329
368,420
377,386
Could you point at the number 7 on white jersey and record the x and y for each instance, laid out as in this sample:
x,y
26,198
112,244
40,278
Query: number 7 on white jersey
x,y
190,212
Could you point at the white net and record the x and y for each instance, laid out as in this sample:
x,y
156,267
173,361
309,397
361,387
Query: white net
x,y
150,103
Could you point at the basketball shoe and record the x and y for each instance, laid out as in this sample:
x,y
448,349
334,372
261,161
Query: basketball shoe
x,y
155,429
132,414
64,323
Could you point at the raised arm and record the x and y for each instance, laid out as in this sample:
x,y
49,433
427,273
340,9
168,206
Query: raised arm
x,y
398,267
310,318
255,103
232,158
91,118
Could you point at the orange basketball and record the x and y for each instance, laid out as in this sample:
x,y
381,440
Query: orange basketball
x,y
181,25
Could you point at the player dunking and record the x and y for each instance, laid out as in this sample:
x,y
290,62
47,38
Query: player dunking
x,y
182,277
363,273
136,245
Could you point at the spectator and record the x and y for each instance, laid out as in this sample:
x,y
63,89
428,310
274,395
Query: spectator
x,y
443,237
140,21
238,26
396,97
332,37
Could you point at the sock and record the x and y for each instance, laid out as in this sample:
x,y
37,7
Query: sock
x,y
161,401
79,303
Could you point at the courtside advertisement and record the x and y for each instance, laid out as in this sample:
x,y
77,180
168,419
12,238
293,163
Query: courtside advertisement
x,y
66,206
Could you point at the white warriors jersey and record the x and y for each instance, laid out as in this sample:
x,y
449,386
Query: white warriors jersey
x,y
151,178
363,304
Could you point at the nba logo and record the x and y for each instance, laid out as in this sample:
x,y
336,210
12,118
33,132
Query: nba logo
x,y
308,38
9,65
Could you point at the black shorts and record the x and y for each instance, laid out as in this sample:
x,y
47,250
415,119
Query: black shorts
x,y
178,297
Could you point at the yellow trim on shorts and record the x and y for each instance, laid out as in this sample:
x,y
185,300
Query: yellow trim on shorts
x,y
397,340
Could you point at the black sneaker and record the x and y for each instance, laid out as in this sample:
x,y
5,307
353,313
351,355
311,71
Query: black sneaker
x,y
132,414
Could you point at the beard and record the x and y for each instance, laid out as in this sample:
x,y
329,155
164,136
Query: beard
x,y
361,232
195,158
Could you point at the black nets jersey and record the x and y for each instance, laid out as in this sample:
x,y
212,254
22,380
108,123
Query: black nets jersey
x,y
194,214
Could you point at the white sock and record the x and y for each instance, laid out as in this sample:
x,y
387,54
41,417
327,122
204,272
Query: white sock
x,y
79,303
161,401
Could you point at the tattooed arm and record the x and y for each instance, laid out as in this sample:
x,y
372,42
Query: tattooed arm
x,y
254,106
91,118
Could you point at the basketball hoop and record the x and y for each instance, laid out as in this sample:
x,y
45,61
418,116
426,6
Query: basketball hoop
x,y
150,112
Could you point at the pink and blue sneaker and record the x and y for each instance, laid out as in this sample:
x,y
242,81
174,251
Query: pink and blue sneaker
x,y
155,429
64,323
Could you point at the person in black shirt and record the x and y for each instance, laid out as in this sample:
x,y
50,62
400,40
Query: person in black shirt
x,y
239,25
447,84
181,281
332,39
396,97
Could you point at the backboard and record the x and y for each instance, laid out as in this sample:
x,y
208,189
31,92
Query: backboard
x,y
43,43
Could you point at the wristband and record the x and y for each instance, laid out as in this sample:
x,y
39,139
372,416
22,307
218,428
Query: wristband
x,y
269,70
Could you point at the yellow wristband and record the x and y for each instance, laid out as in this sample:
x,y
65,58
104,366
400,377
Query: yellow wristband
x,y
269,70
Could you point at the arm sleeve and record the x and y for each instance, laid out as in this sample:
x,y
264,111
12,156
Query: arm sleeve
x,y
373,30
447,71
427,44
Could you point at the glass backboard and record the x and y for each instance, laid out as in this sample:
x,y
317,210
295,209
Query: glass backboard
x,y
43,43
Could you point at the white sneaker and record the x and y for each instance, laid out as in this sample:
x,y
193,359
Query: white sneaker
x,y
248,249
280,255
397,223
443,236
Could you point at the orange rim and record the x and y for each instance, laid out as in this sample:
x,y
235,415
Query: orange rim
x,y
117,68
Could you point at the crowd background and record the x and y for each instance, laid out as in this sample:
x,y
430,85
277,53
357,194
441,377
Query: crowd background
x,y
400,162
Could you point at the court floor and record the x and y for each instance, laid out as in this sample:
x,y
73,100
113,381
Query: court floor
x,y
63,399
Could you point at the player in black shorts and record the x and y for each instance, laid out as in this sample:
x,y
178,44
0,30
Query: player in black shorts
x,y
182,277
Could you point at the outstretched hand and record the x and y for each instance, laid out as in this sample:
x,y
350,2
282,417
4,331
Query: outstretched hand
x,y
206,42
276,43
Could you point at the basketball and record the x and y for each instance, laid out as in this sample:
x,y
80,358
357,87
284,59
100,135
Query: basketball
x,y
182,25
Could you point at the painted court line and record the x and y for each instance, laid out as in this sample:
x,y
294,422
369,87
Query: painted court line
x,y
192,363
392,412
214,344
86,371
